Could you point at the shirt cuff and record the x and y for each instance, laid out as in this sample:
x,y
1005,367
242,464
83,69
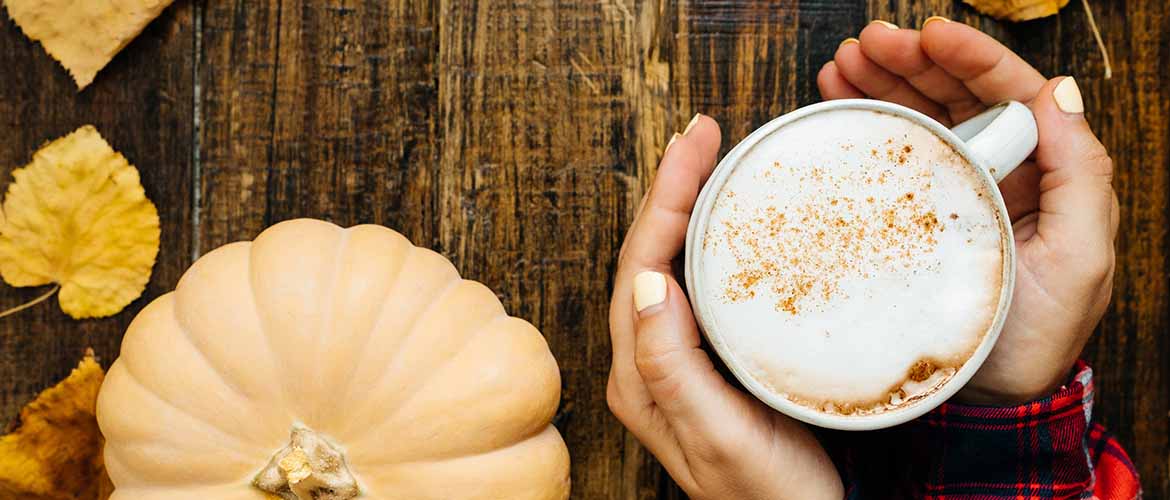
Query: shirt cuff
x,y
964,452
1037,448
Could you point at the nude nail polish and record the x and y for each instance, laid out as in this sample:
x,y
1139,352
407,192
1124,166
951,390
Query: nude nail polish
x,y
691,125
1068,96
671,143
649,289
932,19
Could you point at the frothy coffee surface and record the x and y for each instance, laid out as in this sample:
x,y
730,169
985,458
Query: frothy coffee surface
x,y
853,261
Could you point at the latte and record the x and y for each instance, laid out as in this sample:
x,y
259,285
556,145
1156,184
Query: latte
x,y
852,261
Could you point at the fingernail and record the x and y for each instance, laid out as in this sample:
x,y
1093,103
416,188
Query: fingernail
x,y
691,125
649,289
1068,96
671,143
848,41
885,23
932,19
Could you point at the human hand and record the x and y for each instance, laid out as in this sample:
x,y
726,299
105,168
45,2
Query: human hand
x,y
714,440
1062,205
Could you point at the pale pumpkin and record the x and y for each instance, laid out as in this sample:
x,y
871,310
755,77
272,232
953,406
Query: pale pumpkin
x,y
328,363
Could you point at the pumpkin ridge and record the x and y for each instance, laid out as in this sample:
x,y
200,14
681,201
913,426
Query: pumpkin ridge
x,y
212,367
501,328
209,339
265,328
191,418
545,452
346,386
115,466
169,299
412,327
326,329
508,445
431,374
113,463
189,492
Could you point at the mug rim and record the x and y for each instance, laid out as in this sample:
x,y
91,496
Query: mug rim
x,y
698,226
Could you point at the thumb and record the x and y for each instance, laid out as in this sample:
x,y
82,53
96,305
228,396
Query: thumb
x,y
1076,191
678,374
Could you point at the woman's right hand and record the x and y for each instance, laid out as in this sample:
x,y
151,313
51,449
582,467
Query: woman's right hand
x,y
716,441
1062,203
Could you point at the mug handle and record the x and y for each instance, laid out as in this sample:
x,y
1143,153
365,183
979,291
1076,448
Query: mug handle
x,y
1000,138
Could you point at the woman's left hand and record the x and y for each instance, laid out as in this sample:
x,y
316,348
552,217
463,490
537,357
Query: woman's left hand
x,y
716,441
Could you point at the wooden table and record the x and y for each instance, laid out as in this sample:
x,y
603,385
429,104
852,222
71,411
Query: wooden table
x,y
516,137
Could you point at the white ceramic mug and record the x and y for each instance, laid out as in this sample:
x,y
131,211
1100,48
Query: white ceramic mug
x,y
996,142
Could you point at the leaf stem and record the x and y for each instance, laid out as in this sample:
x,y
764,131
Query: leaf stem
x,y
1100,43
31,303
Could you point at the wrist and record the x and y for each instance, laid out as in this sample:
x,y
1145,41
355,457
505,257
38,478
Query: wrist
x,y
1008,396
1012,387
1005,395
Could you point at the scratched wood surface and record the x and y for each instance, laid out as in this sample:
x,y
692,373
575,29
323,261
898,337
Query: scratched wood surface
x,y
516,137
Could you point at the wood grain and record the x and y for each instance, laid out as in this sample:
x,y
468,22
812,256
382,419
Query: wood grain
x,y
1130,352
534,190
516,137
316,110
141,103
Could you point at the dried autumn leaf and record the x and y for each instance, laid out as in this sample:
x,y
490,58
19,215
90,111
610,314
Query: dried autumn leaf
x,y
83,35
78,216
55,453
1017,10
1026,10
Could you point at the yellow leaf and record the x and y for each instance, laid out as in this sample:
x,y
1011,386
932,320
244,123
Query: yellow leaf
x,y
84,35
78,216
55,453
1017,10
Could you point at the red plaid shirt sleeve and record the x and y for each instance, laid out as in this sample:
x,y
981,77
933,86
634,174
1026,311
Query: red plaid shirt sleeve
x,y
1046,449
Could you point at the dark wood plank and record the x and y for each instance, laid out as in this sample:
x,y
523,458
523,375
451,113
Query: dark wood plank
x,y
552,116
237,61
142,104
315,109
1130,352
739,62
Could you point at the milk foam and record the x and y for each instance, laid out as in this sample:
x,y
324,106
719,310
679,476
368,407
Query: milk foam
x,y
853,261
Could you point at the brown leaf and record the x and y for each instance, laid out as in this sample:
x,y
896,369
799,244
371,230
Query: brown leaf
x,y
55,452
1017,10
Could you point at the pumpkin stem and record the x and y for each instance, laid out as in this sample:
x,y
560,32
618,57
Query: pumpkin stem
x,y
309,468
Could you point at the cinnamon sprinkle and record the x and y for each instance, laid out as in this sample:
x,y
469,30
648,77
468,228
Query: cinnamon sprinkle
x,y
798,252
